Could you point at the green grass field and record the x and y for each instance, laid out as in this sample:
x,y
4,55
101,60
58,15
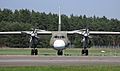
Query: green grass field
x,y
67,52
63,68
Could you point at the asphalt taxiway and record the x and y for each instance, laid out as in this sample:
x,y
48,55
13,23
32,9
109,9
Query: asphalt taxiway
x,y
27,60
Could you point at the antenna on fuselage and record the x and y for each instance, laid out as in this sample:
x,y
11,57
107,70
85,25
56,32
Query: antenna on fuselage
x,y
59,26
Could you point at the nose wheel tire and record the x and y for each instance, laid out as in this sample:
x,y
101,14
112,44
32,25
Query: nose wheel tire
x,y
85,52
34,52
60,52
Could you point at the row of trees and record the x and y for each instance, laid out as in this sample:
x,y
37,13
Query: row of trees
x,y
25,19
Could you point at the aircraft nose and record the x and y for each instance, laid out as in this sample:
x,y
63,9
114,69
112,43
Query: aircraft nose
x,y
59,43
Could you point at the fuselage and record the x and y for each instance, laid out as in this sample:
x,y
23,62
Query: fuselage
x,y
59,40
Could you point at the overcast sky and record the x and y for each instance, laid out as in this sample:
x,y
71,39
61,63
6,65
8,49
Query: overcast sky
x,y
108,8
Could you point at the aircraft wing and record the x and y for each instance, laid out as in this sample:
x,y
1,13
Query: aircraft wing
x,y
38,32
44,33
99,33
94,32
103,33
25,32
73,32
10,33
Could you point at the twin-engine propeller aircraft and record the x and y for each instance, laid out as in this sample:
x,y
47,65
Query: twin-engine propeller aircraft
x,y
59,39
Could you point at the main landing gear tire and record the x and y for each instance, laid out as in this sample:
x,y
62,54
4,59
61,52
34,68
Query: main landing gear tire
x,y
34,52
85,52
60,52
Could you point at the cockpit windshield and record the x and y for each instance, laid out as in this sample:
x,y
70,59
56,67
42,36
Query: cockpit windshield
x,y
59,37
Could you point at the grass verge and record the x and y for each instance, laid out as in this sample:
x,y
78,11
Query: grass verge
x,y
67,52
63,68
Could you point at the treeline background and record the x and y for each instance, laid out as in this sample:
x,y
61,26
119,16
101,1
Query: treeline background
x,y
24,19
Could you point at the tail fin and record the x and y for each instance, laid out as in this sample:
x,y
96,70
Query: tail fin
x,y
59,26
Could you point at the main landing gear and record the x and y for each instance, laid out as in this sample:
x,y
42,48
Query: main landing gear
x,y
34,51
85,52
60,52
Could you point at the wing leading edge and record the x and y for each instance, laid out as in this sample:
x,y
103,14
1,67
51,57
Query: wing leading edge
x,y
68,32
11,33
27,32
97,33
103,33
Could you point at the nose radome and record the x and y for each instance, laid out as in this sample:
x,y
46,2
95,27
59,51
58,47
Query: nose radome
x,y
59,43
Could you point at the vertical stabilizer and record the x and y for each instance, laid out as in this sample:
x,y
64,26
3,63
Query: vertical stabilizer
x,y
59,26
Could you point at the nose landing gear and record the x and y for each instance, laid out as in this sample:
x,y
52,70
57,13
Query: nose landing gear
x,y
60,52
